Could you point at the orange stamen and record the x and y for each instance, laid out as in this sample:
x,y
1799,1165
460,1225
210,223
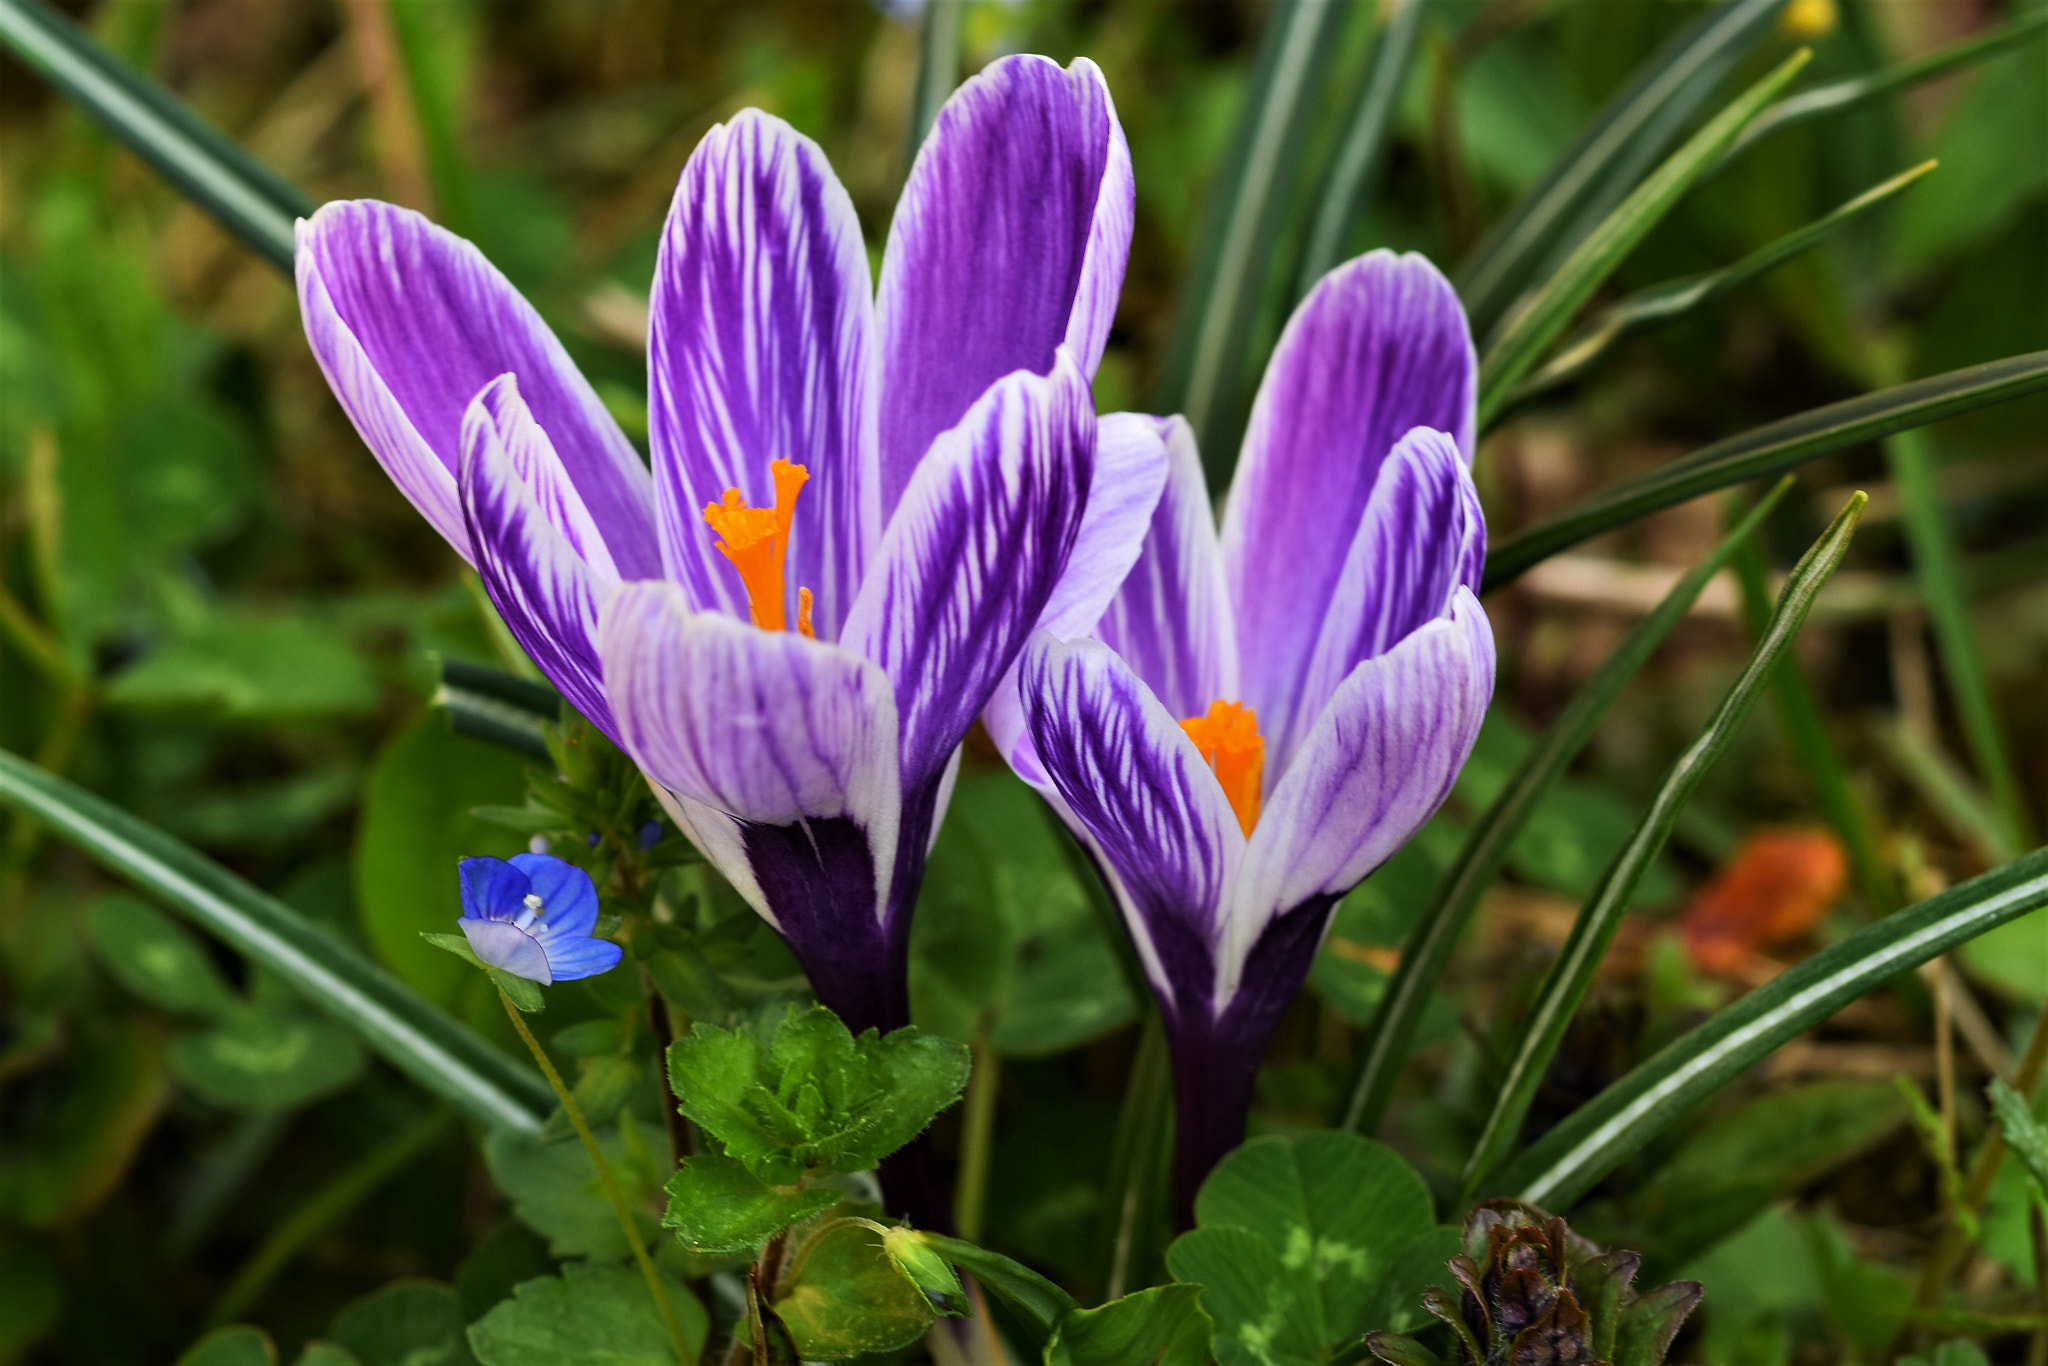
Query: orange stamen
x,y
756,540
803,614
1228,737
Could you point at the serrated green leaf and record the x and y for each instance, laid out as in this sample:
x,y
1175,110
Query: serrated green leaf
x,y
157,958
1163,1326
2024,1133
716,1205
844,1295
587,1316
555,1190
600,1093
810,1097
261,1061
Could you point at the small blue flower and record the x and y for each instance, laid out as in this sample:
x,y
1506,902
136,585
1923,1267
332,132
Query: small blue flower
x,y
532,917
649,835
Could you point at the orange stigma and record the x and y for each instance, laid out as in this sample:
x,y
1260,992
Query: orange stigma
x,y
1229,740
756,540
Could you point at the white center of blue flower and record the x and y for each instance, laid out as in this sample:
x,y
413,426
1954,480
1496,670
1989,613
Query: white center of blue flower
x,y
534,910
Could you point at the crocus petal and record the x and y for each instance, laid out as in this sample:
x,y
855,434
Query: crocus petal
x,y
761,346
1422,536
567,898
1375,766
545,567
969,561
1130,472
492,888
1152,808
1380,346
1010,240
769,727
1171,619
408,322
504,945
573,956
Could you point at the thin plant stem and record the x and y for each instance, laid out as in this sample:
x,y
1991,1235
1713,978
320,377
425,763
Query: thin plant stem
x,y
2037,1345
604,1174
977,1134
1945,1058
327,1207
1138,1159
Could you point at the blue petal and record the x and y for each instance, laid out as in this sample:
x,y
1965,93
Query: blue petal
x,y
493,888
571,958
506,946
568,900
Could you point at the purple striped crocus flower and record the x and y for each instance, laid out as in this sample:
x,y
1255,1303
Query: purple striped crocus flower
x,y
1256,722
860,505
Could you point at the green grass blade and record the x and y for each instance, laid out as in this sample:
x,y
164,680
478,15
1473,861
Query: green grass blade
x,y
1206,362
1365,138
938,68
250,200
1535,321
444,1056
499,707
1610,156
1771,449
1807,728
1565,985
1944,787
1429,946
1937,567
1841,96
1662,304
1566,1162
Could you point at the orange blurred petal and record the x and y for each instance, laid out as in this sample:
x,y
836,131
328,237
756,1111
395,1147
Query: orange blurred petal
x,y
1774,889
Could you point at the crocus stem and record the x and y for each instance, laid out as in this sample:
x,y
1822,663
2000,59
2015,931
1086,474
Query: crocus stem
x,y
970,1192
604,1174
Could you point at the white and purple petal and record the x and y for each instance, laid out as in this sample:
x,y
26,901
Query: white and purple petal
x,y
1171,618
409,322
1010,240
1130,473
970,559
504,945
1422,537
1375,766
761,347
1380,346
1147,802
537,549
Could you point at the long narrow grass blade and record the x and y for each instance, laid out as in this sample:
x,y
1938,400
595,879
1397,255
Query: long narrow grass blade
x,y
1937,568
250,200
1543,313
1839,97
1565,986
1566,1162
1771,449
1429,946
502,708
444,1056
1663,304
1610,156
1220,299
1365,138
1934,775
1808,730
938,67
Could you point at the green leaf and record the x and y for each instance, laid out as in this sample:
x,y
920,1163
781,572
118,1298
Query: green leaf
x,y
1429,946
1571,1158
716,1205
238,1344
1206,365
555,1190
249,199
258,1060
1037,1302
1661,305
1265,1314
503,1258
1539,317
416,826
157,958
88,1124
435,1051
1632,131
1334,1207
2024,1133
405,1323
31,1298
600,1093
318,1353
588,1316
844,1295
250,669
498,708
1163,1326
525,995
1565,985
1768,450
1395,1350
798,1094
